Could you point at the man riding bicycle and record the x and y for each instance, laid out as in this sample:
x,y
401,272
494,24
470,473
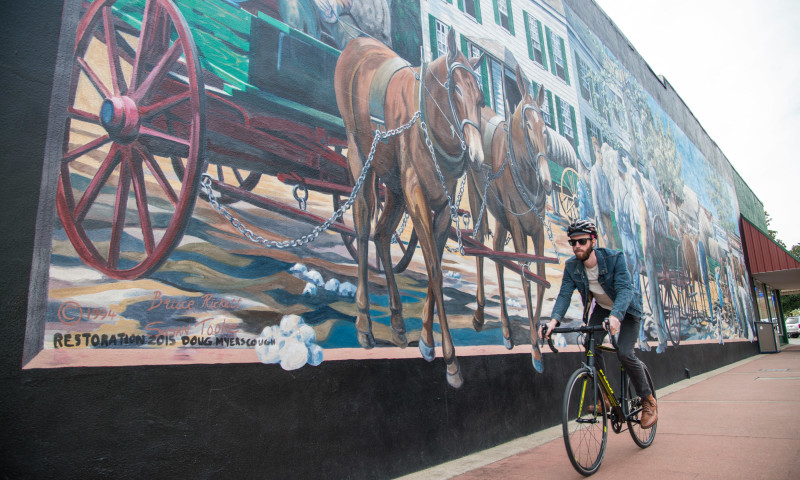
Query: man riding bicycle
x,y
602,274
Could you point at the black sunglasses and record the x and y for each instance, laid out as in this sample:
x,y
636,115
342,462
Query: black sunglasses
x,y
580,241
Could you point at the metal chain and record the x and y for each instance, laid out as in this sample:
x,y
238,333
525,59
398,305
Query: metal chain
x,y
453,209
400,230
205,183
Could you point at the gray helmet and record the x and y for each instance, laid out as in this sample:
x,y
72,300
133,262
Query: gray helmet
x,y
582,227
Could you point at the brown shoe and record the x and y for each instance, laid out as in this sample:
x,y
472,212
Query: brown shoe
x,y
592,408
649,412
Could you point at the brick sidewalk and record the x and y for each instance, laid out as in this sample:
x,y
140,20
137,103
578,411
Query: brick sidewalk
x,y
740,421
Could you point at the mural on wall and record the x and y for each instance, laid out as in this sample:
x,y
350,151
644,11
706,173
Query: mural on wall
x,y
293,182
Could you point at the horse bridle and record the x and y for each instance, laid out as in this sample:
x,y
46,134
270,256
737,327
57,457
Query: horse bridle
x,y
528,144
451,87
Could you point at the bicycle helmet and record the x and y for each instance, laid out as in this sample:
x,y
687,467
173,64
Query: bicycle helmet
x,y
579,227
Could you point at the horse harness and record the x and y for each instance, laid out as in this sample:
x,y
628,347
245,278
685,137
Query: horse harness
x,y
450,86
512,162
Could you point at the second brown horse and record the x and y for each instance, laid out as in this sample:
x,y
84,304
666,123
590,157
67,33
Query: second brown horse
x,y
516,196
448,97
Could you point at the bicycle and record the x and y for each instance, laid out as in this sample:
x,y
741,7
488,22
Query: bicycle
x,y
585,426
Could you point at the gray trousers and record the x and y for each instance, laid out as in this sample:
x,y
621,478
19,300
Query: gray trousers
x,y
628,333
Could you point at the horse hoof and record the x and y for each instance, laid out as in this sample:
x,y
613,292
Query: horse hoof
x,y
538,364
366,340
509,344
477,321
427,351
456,380
661,349
399,338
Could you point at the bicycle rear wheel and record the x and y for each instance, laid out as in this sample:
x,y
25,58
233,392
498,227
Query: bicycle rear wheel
x,y
585,432
642,437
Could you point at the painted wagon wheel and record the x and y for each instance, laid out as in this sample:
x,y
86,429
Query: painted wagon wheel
x,y
375,264
568,196
122,211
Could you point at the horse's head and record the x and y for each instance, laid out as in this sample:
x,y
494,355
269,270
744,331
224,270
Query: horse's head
x,y
533,130
465,99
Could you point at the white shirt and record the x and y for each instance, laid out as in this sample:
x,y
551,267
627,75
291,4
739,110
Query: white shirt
x,y
597,290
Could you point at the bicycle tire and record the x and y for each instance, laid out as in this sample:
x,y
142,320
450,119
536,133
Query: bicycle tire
x,y
642,437
585,433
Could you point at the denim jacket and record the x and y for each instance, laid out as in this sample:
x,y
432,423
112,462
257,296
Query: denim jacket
x,y
613,276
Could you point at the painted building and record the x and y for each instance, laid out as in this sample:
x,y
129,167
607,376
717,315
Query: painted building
x,y
206,166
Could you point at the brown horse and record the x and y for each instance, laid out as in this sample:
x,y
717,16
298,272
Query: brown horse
x,y
447,95
516,198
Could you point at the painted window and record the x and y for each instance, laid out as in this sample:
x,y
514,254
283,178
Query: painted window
x,y
558,55
547,108
585,74
441,38
484,80
535,35
592,131
503,15
566,120
471,8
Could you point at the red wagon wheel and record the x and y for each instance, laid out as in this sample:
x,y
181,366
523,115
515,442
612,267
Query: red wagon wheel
x,y
121,207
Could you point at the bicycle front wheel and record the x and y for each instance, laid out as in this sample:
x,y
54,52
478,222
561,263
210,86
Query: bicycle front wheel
x,y
585,429
642,437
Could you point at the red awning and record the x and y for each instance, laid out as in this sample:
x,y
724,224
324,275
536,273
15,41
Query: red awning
x,y
767,261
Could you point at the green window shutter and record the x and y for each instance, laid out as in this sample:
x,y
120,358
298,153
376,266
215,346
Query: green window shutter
x,y
432,25
460,4
588,125
528,34
487,93
575,132
550,50
510,18
478,12
550,107
496,11
540,31
557,116
464,46
566,63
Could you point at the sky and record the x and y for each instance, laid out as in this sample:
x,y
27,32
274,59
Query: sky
x,y
736,65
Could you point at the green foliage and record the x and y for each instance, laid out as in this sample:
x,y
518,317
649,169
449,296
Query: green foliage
x,y
790,304
660,142
773,233
720,198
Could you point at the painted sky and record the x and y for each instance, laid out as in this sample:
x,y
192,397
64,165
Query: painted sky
x,y
735,64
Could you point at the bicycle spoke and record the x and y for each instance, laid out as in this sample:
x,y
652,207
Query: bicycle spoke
x,y
585,432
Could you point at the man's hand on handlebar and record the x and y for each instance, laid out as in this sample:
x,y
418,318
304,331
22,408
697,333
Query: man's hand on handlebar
x,y
613,325
547,329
